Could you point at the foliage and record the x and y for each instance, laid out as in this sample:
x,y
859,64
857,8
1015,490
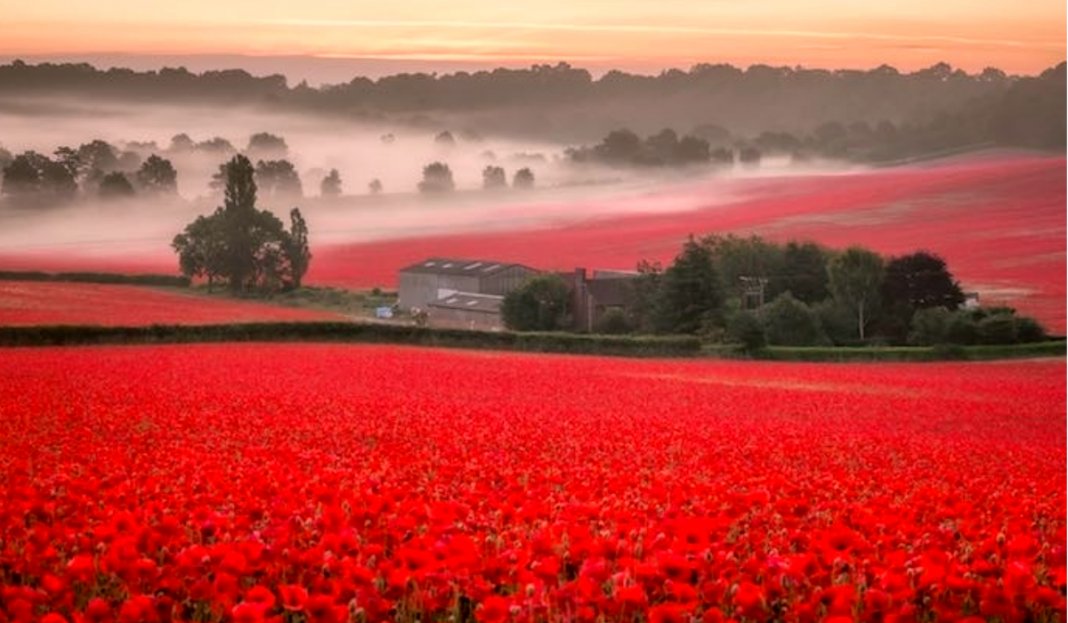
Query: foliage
x,y
690,295
916,281
736,258
613,322
34,179
645,289
542,303
264,145
804,272
745,328
114,185
789,322
437,178
246,247
296,247
157,176
856,277
993,326
625,148
278,180
374,186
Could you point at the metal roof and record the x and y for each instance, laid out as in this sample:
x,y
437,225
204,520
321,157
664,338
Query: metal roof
x,y
470,301
460,266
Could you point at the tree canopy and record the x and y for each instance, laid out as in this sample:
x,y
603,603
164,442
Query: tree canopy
x,y
247,248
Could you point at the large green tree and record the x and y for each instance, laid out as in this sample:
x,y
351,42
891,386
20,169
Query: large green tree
x,y
856,279
247,247
691,295
913,282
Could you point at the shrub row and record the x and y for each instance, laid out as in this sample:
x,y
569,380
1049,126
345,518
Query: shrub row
x,y
911,353
634,346
109,278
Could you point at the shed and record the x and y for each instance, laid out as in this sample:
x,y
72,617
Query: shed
x,y
434,278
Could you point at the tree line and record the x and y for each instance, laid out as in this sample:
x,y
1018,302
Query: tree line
x,y
744,99
756,292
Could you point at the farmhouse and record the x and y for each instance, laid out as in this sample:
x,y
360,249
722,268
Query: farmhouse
x,y
593,295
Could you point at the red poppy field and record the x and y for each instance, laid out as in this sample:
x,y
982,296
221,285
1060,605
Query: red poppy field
x,y
50,303
333,483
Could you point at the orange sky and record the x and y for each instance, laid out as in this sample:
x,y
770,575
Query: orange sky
x,y
1020,36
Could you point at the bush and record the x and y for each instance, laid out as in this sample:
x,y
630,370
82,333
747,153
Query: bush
x,y
613,322
837,323
997,329
175,281
930,326
789,322
746,329
637,346
961,329
1029,330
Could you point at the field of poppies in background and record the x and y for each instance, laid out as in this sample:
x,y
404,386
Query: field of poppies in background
x,y
331,483
24,303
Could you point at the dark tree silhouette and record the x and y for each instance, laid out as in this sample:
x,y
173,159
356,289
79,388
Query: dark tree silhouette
x,y
296,247
437,178
267,146
157,176
34,179
690,296
331,185
493,177
247,247
114,185
523,178
278,179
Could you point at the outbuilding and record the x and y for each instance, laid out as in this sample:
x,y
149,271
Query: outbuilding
x,y
436,278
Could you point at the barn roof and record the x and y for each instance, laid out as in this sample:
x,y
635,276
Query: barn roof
x,y
470,301
459,266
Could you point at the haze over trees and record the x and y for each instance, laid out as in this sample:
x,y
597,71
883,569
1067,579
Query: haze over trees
x,y
949,105
437,178
331,185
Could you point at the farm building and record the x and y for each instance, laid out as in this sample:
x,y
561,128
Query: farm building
x,y
594,295
466,310
435,278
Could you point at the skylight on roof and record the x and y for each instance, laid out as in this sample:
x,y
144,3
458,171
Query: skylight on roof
x,y
490,267
447,265
428,264
471,303
472,266
452,301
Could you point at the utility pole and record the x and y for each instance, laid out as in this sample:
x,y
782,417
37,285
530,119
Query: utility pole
x,y
753,291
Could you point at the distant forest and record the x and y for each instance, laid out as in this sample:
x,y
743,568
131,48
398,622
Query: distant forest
x,y
948,106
